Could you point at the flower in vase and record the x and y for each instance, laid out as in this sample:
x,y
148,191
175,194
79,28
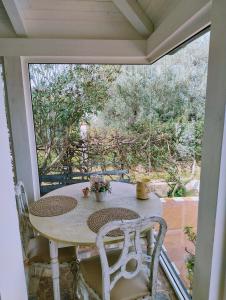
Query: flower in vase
x,y
100,186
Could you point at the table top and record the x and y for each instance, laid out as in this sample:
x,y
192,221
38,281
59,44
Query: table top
x,y
72,227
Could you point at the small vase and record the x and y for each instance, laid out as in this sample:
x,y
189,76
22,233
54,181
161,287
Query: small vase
x,y
100,196
143,189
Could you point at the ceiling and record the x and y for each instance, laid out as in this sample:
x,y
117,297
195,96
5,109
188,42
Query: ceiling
x,y
6,29
83,19
157,10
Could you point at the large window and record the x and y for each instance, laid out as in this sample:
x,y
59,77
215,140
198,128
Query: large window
x,y
144,119
185,73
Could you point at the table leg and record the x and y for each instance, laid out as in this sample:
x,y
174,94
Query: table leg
x,y
150,241
55,269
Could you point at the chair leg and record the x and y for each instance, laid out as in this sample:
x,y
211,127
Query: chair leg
x,y
85,294
75,272
81,291
35,274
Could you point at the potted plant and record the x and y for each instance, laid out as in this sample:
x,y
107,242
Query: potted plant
x,y
100,188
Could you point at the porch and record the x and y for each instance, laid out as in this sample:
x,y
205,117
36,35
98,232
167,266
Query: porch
x,y
110,32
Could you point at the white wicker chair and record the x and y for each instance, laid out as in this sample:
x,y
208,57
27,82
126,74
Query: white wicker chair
x,y
125,274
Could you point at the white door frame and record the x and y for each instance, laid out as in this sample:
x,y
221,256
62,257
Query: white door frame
x,y
210,261
12,276
22,127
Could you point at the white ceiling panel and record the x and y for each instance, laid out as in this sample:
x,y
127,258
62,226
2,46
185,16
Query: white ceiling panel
x,y
157,10
88,19
82,29
76,19
6,29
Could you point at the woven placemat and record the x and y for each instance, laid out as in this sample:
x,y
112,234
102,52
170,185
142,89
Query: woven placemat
x,y
52,206
103,216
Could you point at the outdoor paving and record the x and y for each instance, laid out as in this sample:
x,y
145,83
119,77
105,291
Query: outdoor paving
x,y
40,288
45,291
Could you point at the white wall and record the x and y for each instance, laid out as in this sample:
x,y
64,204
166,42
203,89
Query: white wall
x,y
12,278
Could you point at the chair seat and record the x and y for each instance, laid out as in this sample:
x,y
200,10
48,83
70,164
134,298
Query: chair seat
x,y
125,289
38,251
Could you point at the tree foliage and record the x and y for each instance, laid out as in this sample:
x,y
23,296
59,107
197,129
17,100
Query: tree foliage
x,y
63,97
165,98
148,115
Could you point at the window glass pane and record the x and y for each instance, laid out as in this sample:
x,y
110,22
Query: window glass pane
x,y
187,71
144,119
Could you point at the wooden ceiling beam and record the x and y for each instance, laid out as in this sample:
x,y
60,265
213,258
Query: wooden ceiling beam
x,y
76,50
187,19
14,14
136,16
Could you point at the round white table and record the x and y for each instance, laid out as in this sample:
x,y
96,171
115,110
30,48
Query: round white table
x,y
71,228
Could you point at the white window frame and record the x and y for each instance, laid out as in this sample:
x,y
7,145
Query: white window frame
x,y
12,277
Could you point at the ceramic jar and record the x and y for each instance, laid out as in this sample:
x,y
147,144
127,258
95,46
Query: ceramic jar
x,y
143,189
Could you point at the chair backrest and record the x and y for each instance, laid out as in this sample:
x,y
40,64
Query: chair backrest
x,y
26,230
132,250
21,199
